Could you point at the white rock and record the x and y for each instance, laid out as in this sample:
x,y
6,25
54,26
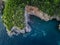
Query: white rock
x,y
28,29
22,31
59,26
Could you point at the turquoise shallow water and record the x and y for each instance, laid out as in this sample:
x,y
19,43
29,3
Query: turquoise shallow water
x,y
43,33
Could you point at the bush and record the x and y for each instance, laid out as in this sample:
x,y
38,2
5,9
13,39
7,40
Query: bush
x,y
14,10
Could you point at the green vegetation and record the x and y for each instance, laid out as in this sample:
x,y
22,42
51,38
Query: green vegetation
x,y
14,10
14,14
50,7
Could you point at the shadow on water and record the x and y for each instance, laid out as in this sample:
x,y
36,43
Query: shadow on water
x,y
43,33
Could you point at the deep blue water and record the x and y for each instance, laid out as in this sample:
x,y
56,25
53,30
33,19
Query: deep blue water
x,y
43,33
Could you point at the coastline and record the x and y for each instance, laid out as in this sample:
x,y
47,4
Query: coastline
x,y
16,30
36,12
43,16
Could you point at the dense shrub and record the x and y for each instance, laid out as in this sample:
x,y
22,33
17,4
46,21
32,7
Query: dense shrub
x,y
14,10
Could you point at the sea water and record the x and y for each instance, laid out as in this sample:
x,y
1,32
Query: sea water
x,y
42,33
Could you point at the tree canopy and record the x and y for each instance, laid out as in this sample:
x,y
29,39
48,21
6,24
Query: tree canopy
x,y
13,14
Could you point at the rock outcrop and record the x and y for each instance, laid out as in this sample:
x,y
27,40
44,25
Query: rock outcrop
x,y
35,11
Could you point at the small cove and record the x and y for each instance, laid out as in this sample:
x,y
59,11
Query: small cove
x,y
43,33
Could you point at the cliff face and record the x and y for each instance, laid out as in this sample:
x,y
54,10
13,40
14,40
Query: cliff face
x,y
13,15
17,15
35,11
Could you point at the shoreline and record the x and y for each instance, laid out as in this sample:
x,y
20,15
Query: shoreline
x,y
43,16
16,30
36,12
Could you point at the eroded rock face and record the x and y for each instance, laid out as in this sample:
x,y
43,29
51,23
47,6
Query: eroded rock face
x,y
30,10
35,11
16,31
